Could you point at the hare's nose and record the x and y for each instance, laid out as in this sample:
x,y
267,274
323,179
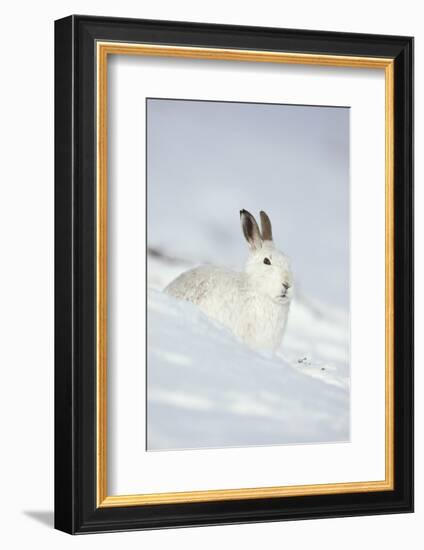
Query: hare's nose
x,y
286,286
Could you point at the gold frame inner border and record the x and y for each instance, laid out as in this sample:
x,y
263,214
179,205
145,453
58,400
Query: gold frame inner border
x,y
104,49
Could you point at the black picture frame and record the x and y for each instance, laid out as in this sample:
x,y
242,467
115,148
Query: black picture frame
x,y
76,509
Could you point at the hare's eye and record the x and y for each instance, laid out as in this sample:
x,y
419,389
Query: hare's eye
x,y
267,261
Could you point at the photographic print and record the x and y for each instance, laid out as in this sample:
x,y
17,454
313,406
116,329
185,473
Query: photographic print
x,y
233,274
248,340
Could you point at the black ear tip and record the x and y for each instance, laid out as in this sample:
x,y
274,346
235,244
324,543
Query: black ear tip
x,y
242,211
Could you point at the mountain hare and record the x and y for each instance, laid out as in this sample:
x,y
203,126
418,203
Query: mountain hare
x,y
253,304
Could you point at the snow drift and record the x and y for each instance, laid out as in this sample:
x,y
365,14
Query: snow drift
x,y
206,389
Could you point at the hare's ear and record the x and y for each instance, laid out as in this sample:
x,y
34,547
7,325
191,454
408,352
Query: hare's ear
x,y
266,226
250,230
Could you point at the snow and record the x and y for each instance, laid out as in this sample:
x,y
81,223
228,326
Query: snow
x,y
207,161
205,388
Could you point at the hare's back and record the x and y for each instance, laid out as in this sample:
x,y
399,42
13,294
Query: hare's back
x,y
201,283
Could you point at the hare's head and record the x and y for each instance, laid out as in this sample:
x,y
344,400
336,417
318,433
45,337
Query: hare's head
x,y
268,268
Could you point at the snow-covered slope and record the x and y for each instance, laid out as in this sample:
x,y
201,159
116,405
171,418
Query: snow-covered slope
x,y
206,389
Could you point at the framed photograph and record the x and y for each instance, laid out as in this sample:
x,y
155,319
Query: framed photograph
x,y
234,274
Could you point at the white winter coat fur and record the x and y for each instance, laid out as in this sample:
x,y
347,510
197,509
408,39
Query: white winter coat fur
x,y
255,303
